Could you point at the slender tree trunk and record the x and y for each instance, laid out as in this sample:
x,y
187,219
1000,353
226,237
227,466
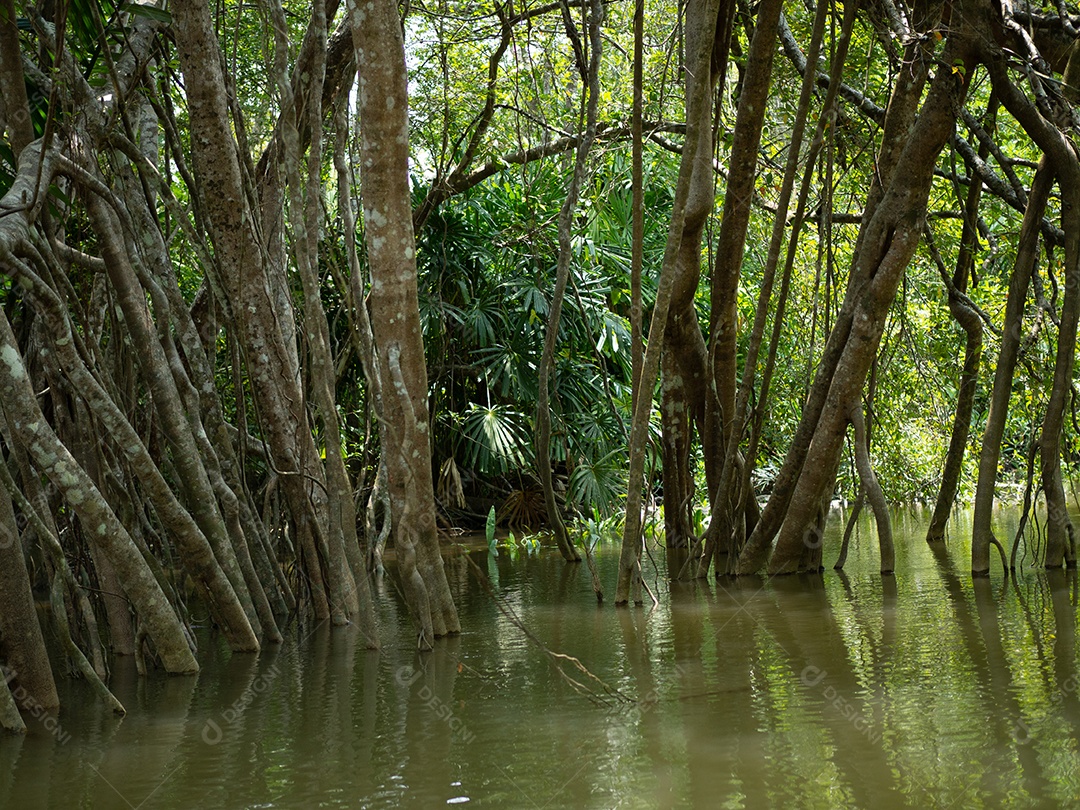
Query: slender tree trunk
x,y
686,385
702,18
100,524
889,241
364,344
251,297
1060,542
349,584
727,498
762,535
897,134
637,237
731,243
562,276
22,646
990,452
383,108
970,322
870,485
1060,154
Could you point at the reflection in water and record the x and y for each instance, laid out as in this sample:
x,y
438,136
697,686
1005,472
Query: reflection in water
x,y
925,689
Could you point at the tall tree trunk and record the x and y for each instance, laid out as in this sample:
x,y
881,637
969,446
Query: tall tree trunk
x,y
701,27
899,125
383,108
686,385
1060,157
888,243
251,298
562,276
727,498
349,583
1027,251
731,243
637,236
971,323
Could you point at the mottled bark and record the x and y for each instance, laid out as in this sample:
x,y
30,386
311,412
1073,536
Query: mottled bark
x,y
185,351
888,242
701,29
172,415
22,646
349,584
686,387
251,296
368,558
100,525
383,109
12,86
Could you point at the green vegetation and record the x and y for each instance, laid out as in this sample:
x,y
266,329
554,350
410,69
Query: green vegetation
x,y
630,270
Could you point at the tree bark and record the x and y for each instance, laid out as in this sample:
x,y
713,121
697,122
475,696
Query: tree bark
x,y
22,645
12,84
251,298
383,108
100,524
900,122
702,16
888,242
971,323
731,243
870,485
562,276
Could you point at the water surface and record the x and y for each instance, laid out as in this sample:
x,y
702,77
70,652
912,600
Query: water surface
x,y
925,689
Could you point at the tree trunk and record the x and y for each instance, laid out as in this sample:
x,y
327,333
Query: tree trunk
x,y
686,389
728,522
898,144
22,646
970,322
870,485
731,243
251,298
701,28
52,458
562,276
349,584
383,109
1059,161
888,242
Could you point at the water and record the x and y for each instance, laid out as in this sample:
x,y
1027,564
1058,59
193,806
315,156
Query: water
x,y
921,690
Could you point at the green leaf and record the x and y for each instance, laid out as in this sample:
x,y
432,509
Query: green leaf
x,y
150,12
490,528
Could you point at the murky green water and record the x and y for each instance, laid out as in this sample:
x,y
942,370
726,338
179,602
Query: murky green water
x,y
922,690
